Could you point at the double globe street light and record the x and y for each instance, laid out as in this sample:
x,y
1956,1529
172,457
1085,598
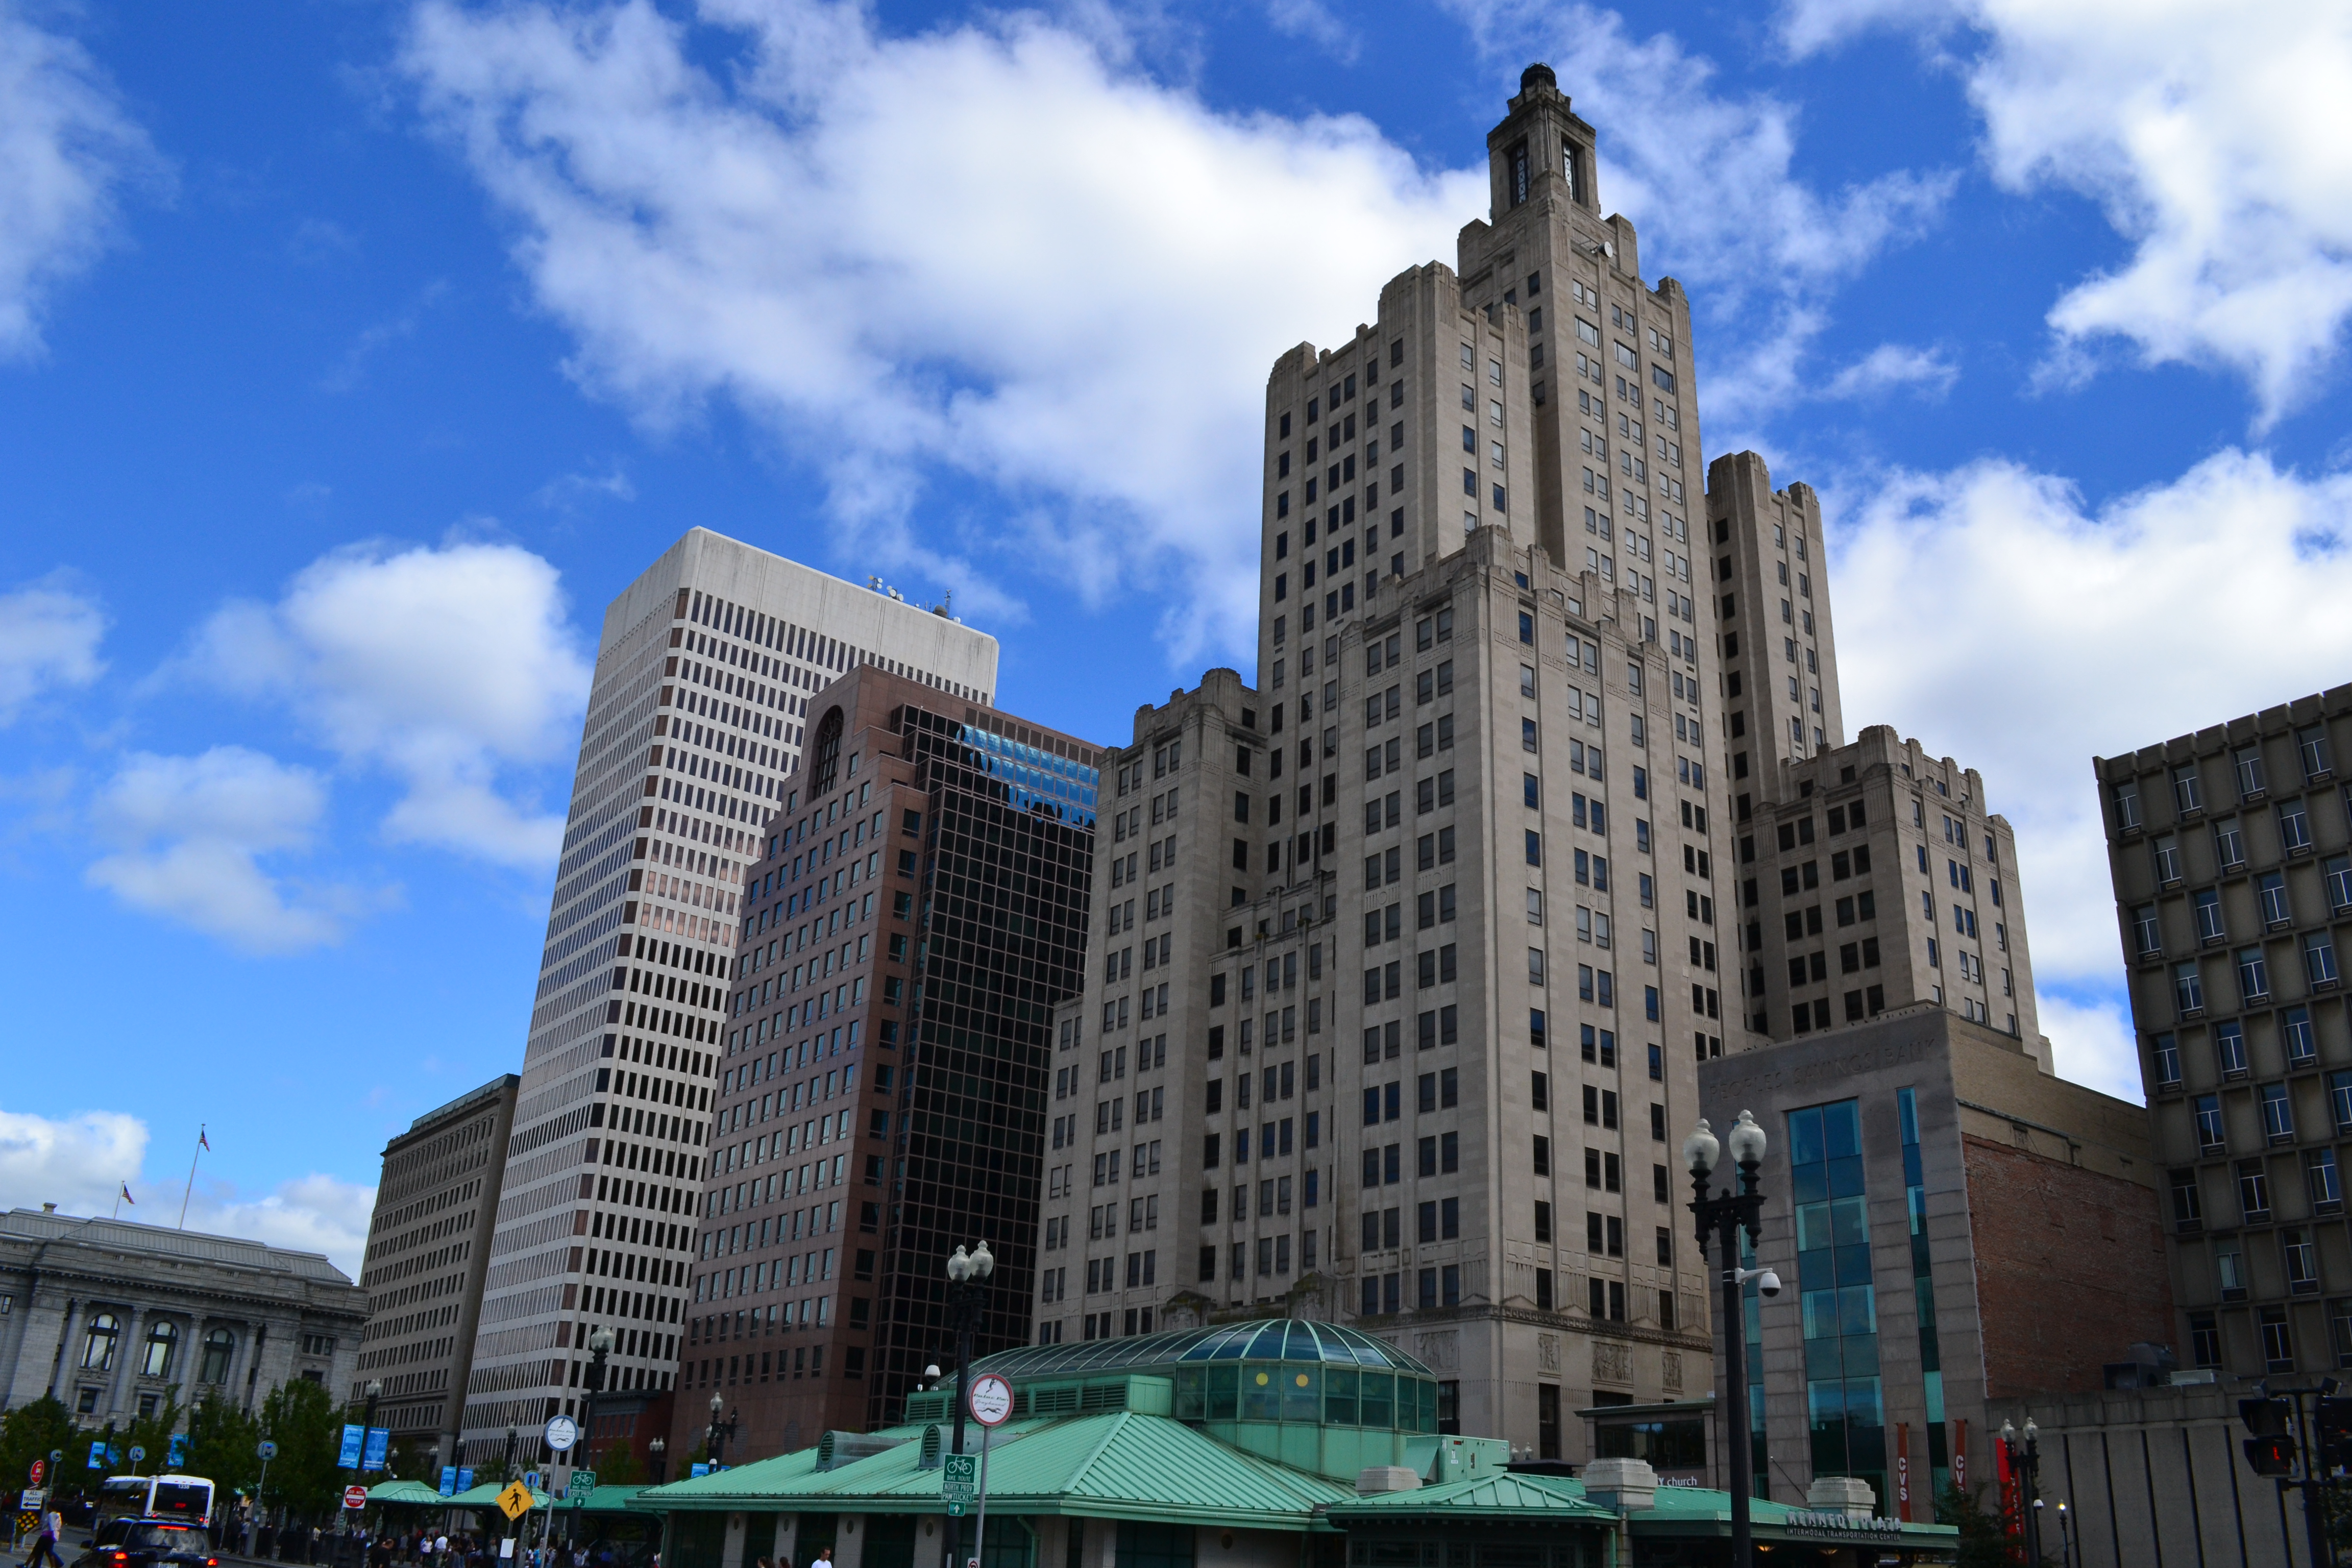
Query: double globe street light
x,y
967,1293
1721,1220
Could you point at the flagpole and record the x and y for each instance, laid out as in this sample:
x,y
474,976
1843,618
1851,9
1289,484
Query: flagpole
x,y
190,1188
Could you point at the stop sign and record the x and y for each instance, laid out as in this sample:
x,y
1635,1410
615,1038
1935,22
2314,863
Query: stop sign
x,y
40,1469
355,1497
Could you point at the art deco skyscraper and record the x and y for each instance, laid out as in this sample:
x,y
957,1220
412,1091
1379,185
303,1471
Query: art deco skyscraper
x,y
1420,1054
703,673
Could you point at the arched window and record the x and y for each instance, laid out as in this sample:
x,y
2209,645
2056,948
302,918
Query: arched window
x,y
828,753
220,1349
163,1342
98,1349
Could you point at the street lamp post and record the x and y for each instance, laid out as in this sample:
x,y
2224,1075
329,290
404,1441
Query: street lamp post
x,y
600,1345
375,1391
2025,1463
967,1293
720,1431
658,1451
510,1472
1721,1218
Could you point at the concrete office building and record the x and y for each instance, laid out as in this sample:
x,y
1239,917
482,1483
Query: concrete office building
x,y
1952,1226
2233,867
1873,876
918,909
697,713
109,1316
428,1248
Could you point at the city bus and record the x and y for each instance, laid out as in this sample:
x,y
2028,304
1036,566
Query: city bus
x,y
188,1498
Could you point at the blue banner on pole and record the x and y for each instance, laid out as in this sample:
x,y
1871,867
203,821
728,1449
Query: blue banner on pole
x,y
98,1454
178,1454
379,1441
350,1457
448,1480
465,1478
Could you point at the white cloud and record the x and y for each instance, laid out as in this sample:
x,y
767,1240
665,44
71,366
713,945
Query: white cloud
x,y
1710,180
190,832
2068,632
2094,1043
1894,367
784,228
450,667
312,1213
74,1162
82,1162
49,634
66,150
351,370
2217,139
1312,20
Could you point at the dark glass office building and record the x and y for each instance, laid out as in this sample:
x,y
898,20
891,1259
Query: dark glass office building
x,y
919,910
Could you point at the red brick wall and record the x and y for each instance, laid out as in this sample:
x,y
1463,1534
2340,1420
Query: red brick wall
x,y
2070,1269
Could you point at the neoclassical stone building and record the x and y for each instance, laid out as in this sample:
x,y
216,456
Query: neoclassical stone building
x,y
108,1314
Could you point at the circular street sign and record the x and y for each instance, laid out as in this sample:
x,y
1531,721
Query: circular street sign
x,y
355,1497
562,1432
137,1454
992,1399
266,1449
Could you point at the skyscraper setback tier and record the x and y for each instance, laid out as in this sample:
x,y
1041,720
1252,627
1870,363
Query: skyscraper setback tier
x,y
920,907
697,713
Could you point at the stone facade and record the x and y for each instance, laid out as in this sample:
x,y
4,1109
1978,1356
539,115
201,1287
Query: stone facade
x,y
428,1250
1920,1256
1873,876
109,1315
2232,855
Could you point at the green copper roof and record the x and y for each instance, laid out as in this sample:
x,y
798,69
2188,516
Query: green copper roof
x,y
1279,1339
1494,1496
1117,1465
1675,1511
416,1492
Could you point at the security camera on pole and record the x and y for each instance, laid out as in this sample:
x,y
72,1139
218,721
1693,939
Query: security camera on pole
x,y
1721,1220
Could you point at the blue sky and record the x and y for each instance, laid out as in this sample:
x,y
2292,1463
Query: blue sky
x,y
352,358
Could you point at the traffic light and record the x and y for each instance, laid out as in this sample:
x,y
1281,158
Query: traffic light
x,y
2333,1419
2271,1450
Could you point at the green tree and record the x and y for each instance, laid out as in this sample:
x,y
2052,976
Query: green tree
x,y
151,1434
617,1466
34,1431
1984,1543
300,1418
223,1443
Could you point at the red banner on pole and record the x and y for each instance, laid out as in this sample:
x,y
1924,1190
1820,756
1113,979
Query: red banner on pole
x,y
1960,1457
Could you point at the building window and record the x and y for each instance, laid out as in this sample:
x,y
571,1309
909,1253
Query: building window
x,y
2278,1116
220,1349
2278,1345
163,1340
2205,1339
2209,1114
2166,1052
826,752
97,1346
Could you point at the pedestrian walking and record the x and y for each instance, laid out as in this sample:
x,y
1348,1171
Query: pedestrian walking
x,y
53,1525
